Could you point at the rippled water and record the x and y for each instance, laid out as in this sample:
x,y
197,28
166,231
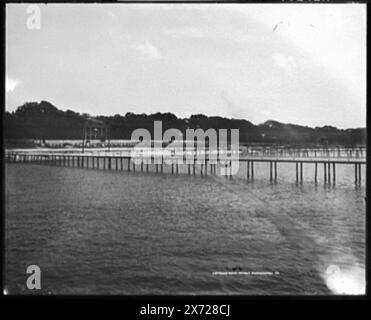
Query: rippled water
x,y
108,232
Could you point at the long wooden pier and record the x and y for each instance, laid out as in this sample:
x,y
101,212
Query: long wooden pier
x,y
206,166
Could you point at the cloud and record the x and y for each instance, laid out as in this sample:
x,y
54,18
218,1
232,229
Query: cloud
x,y
332,36
147,51
220,32
111,14
11,84
285,62
189,32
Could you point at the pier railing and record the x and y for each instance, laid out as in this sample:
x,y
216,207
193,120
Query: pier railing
x,y
206,163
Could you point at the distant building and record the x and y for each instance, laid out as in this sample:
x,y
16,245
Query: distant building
x,y
95,130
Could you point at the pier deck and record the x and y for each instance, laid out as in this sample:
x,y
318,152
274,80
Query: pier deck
x,y
114,160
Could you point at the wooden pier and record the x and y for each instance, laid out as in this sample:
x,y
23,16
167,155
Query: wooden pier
x,y
206,166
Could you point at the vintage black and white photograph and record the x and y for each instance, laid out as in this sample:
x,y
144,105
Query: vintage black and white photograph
x,y
185,149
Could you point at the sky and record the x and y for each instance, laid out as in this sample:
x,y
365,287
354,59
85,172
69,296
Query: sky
x,y
294,63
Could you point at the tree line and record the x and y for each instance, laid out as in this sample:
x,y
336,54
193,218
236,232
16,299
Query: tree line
x,y
43,121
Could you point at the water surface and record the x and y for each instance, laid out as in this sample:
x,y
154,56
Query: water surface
x,y
108,232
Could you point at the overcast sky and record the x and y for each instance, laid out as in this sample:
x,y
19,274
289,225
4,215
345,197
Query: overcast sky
x,y
303,64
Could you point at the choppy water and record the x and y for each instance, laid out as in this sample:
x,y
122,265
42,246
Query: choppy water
x,y
107,232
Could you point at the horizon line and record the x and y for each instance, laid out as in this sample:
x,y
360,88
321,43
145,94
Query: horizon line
x,y
185,118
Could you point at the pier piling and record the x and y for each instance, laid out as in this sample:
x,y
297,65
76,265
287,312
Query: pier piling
x,y
270,171
329,172
360,173
297,172
207,166
333,173
248,170
252,170
275,171
301,172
